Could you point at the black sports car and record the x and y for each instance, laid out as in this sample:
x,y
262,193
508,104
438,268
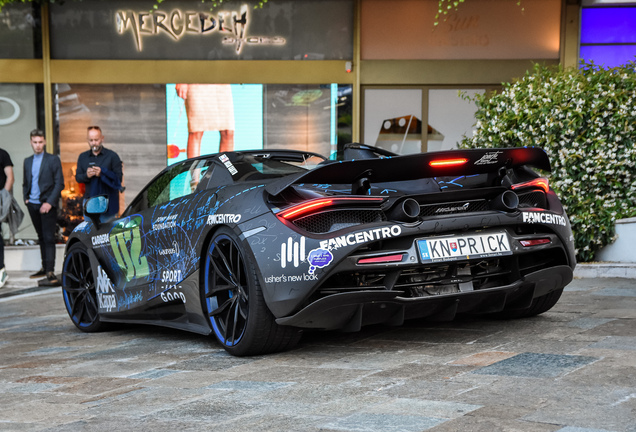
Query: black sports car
x,y
254,246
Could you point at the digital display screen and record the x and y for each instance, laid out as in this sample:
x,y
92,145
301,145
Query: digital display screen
x,y
208,118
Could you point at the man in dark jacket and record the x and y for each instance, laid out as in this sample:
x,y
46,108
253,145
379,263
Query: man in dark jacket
x,y
100,169
42,186
6,181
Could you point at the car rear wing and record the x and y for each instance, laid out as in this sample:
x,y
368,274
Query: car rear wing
x,y
417,166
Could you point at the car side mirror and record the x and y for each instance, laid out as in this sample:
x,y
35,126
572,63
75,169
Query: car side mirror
x,y
94,207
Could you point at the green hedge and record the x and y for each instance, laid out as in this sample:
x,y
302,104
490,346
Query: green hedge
x,y
585,119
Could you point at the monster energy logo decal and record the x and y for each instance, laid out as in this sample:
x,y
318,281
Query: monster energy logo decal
x,y
126,246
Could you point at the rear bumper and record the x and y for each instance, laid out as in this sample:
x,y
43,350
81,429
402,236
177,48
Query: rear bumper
x,y
351,311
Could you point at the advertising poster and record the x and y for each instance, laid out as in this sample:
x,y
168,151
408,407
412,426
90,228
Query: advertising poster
x,y
209,118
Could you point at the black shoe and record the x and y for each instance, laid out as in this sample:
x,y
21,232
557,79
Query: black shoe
x,y
51,280
38,275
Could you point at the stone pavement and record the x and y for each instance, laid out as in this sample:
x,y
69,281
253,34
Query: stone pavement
x,y
572,369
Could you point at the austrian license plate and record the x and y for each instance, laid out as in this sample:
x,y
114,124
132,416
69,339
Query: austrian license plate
x,y
453,248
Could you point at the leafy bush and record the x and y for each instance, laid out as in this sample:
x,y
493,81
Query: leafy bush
x,y
585,120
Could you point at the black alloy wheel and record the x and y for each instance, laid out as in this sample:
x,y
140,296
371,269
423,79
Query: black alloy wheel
x,y
234,304
79,290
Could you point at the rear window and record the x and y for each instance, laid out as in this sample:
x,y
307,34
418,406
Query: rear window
x,y
247,167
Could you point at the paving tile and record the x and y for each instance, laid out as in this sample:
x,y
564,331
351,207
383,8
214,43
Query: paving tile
x,y
509,412
619,371
617,343
426,408
490,424
249,386
212,362
436,335
536,365
579,429
153,374
617,327
588,322
578,410
576,371
484,358
383,423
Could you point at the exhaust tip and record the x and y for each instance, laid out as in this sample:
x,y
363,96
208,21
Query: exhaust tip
x,y
507,201
406,211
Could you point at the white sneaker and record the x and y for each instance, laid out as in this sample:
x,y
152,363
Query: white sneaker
x,y
3,276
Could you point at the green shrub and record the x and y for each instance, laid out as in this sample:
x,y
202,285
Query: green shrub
x,y
585,120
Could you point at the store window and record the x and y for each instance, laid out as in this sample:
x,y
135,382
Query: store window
x,y
479,29
151,126
209,118
453,114
395,120
608,35
133,120
20,31
19,115
195,30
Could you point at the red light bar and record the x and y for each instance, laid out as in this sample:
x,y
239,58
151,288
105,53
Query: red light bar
x,y
318,203
534,242
440,163
541,182
382,259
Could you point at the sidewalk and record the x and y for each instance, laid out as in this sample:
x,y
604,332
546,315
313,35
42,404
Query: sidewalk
x,y
20,283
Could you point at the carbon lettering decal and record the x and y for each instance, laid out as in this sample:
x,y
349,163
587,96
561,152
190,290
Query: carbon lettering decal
x,y
223,219
544,218
361,237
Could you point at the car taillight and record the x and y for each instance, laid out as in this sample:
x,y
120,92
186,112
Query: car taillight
x,y
318,204
540,182
442,163
535,242
382,259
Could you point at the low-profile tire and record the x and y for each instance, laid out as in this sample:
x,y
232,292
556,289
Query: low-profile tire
x,y
538,306
79,290
234,304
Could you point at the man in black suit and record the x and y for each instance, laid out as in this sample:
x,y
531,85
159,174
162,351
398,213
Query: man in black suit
x,y
42,186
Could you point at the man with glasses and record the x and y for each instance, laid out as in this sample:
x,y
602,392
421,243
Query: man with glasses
x,y
42,185
100,169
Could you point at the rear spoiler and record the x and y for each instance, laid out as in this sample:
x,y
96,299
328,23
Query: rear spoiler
x,y
417,166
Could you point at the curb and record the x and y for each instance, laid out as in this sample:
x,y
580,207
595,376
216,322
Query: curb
x,y
605,270
16,292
